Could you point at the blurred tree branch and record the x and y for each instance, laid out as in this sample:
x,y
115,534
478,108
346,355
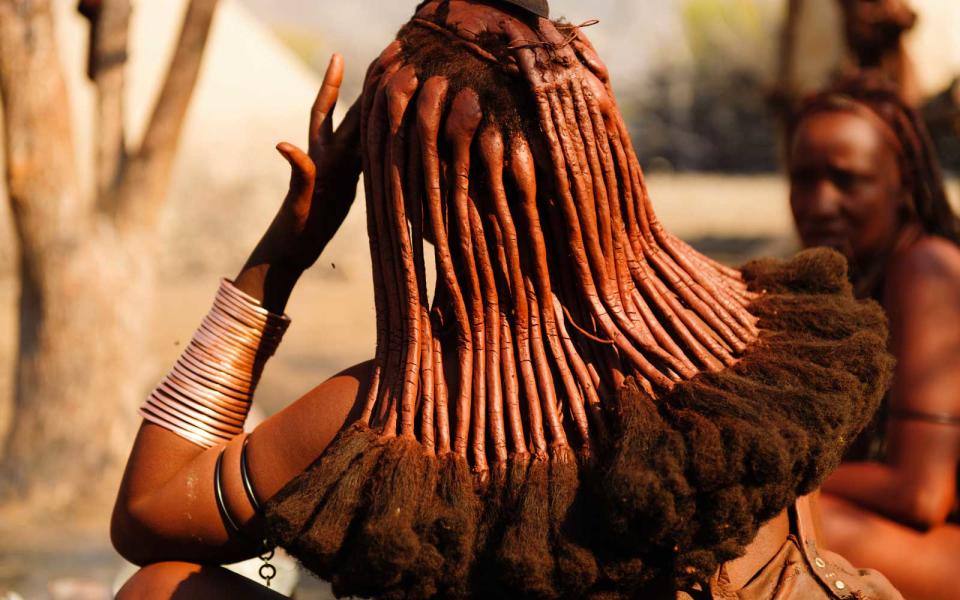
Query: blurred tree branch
x,y
788,40
109,28
41,176
143,185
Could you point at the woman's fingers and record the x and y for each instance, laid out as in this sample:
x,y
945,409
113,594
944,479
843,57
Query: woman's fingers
x,y
302,177
321,125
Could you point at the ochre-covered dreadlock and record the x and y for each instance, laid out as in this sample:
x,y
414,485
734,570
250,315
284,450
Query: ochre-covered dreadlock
x,y
584,403
642,300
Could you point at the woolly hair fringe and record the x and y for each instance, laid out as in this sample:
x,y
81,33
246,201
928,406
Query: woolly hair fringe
x,y
688,481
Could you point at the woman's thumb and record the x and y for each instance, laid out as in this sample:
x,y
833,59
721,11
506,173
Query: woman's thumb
x,y
302,175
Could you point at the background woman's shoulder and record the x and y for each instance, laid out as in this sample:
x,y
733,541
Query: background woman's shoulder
x,y
932,262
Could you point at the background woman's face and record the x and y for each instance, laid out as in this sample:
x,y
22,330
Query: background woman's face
x,y
846,190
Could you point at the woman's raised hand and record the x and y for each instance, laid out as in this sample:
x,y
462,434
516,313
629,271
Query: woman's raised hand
x,y
323,184
336,158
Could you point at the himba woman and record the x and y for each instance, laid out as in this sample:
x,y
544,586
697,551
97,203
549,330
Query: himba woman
x,y
582,406
866,181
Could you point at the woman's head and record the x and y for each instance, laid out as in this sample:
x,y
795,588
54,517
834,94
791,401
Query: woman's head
x,y
863,170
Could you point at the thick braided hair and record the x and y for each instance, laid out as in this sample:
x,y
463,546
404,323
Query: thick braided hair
x,y
500,231
624,412
919,165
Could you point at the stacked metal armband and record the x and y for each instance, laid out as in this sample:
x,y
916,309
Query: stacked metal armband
x,y
205,398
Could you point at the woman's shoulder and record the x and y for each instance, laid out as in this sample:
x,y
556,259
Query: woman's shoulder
x,y
929,258
930,267
346,387
922,292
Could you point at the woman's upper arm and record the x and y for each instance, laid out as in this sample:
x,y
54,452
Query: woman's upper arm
x,y
287,443
924,309
166,507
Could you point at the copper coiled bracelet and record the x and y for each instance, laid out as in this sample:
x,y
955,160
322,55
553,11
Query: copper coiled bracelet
x,y
206,396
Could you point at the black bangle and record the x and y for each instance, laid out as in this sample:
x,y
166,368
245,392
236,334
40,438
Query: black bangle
x,y
267,570
245,476
218,494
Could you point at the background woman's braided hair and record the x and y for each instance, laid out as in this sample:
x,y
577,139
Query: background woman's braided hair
x,y
618,418
919,165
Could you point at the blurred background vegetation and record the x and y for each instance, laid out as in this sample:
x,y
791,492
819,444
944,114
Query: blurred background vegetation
x,y
704,109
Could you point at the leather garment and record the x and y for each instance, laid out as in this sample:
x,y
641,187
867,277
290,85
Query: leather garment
x,y
798,570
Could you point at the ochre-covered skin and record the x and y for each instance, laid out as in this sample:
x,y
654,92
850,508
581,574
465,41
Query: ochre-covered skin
x,y
584,404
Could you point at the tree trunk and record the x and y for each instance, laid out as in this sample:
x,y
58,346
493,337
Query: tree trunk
x,y
83,289
86,266
83,327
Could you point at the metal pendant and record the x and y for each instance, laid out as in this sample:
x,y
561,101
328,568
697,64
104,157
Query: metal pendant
x,y
538,7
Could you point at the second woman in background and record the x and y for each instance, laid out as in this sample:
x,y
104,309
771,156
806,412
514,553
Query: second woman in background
x,y
865,181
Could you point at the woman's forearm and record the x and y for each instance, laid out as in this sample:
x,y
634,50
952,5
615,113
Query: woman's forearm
x,y
193,420
870,485
268,278
174,503
885,490
167,508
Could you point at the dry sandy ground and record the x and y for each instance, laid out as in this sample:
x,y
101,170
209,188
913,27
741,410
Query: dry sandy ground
x,y
333,323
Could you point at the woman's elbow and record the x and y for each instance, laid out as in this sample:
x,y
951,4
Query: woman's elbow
x,y
127,534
